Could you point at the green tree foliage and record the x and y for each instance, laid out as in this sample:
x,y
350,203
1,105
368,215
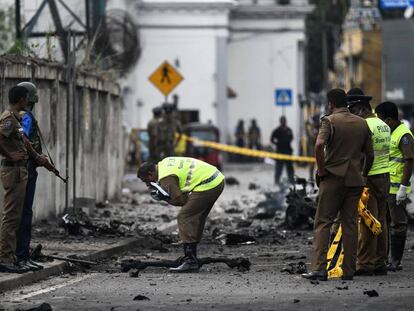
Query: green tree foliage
x,y
7,30
333,12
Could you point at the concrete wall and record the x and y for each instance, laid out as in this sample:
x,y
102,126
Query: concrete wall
x,y
99,139
262,59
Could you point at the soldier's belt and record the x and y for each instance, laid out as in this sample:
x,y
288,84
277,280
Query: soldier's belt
x,y
21,163
249,152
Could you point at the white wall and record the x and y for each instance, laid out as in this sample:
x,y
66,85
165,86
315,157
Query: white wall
x,y
260,62
187,39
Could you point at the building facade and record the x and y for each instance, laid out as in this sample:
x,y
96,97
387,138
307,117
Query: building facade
x,y
250,47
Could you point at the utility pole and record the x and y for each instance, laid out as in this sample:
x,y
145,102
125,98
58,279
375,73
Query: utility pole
x,y
324,50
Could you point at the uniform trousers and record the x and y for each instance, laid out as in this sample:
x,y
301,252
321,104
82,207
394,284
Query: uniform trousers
x,y
334,198
372,249
24,234
192,216
14,180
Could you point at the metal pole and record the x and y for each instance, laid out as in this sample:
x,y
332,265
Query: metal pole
x,y
68,102
74,132
324,52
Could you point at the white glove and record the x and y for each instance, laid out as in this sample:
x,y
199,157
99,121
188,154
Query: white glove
x,y
401,195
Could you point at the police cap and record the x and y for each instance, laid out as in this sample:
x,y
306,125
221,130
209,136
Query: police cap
x,y
356,96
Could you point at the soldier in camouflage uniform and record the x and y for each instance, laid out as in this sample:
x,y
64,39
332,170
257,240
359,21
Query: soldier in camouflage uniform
x,y
169,127
155,135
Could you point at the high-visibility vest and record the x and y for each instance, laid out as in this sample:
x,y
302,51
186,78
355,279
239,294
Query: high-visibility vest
x,y
396,158
381,137
193,175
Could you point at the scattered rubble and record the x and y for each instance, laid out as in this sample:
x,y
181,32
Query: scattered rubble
x,y
371,293
43,307
240,263
301,209
134,273
295,268
235,239
342,287
233,210
231,181
37,254
141,297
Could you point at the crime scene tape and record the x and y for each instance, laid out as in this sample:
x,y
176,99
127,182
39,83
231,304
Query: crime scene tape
x,y
335,254
248,152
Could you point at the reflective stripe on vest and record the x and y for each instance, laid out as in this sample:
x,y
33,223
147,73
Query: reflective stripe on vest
x,y
193,174
397,161
381,137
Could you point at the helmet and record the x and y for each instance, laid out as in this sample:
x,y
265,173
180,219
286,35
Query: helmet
x,y
168,108
32,89
157,111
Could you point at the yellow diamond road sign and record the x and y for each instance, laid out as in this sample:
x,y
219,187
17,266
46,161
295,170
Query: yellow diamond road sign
x,y
166,78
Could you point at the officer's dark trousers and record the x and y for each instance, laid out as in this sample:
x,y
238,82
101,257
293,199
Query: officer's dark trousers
x,y
24,234
279,169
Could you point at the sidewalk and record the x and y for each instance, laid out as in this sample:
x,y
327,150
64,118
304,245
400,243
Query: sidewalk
x,y
112,229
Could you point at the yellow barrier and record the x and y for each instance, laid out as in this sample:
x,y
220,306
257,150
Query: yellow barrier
x,y
249,152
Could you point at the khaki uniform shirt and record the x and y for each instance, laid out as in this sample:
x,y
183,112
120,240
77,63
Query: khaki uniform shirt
x,y
170,184
11,132
347,139
407,147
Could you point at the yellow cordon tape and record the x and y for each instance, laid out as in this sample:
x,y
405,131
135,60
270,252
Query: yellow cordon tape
x,y
249,152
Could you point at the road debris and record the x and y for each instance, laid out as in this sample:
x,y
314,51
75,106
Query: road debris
x,y
141,297
301,209
342,287
43,307
231,181
295,268
235,239
134,273
240,263
37,254
371,293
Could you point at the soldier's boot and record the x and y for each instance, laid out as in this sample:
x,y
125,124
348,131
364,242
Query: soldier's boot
x,y
397,251
190,262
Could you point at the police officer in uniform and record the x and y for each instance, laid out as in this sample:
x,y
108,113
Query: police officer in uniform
x,y
31,131
154,133
194,185
401,167
339,165
169,127
372,249
13,174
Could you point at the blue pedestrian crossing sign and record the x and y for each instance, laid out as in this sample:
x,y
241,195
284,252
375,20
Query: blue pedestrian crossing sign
x,y
396,4
283,97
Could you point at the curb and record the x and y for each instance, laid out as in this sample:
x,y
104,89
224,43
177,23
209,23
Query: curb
x,y
17,280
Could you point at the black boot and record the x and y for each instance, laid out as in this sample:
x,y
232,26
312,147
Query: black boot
x,y
397,251
190,262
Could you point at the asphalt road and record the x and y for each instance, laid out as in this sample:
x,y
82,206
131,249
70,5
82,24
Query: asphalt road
x,y
217,287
